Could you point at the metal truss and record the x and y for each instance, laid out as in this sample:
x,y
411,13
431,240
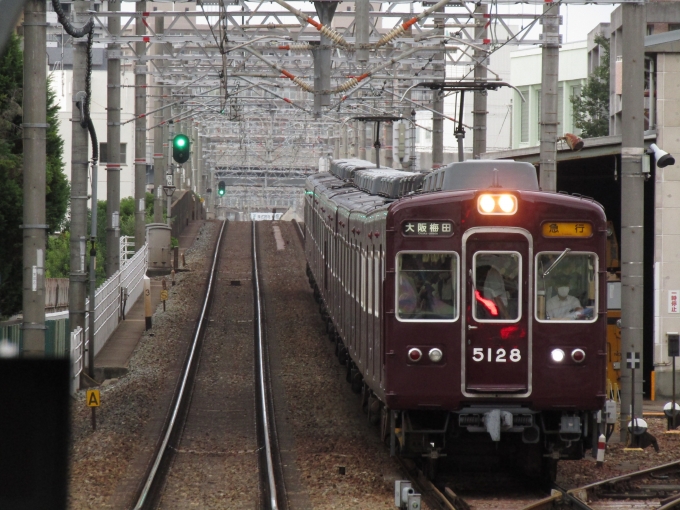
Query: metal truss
x,y
246,73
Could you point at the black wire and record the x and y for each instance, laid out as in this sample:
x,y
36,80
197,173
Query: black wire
x,y
87,29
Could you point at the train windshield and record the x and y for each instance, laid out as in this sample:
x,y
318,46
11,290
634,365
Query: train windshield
x,y
427,286
569,291
497,293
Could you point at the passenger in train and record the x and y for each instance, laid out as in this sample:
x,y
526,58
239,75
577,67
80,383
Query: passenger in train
x,y
494,289
563,306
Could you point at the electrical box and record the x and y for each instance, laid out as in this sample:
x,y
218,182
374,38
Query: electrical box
x,y
673,344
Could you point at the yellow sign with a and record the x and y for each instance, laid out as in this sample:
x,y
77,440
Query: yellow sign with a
x,y
164,295
93,399
567,229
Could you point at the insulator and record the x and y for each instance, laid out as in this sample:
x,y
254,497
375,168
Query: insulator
x,y
298,47
303,85
347,85
467,420
333,35
395,32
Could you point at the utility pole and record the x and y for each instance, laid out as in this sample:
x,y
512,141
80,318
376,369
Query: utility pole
x,y
113,148
479,111
438,97
158,159
549,79
140,132
322,58
632,203
79,190
34,220
344,153
167,149
362,139
355,152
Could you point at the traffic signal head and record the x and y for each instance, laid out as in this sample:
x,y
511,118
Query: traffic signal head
x,y
180,148
220,189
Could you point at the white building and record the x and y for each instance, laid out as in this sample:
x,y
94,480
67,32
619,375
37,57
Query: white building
x,y
525,74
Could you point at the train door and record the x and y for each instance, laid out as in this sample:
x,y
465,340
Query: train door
x,y
496,324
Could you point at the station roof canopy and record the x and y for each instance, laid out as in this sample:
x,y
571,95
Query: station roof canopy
x,y
593,148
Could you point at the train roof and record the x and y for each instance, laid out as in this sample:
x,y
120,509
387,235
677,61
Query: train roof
x,y
383,181
481,174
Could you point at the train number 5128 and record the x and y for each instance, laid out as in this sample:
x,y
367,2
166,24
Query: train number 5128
x,y
500,356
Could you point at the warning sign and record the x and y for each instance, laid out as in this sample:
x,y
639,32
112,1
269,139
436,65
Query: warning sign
x,y
93,399
164,295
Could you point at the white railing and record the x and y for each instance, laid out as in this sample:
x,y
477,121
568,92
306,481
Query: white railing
x,y
76,358
109,298
127,249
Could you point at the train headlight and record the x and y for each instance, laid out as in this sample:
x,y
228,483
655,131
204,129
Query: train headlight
x,y
487,204
557,355
506,203
414,354
435,355
503,203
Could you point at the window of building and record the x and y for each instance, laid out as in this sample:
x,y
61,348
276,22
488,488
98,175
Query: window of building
x,y
104,154
524,117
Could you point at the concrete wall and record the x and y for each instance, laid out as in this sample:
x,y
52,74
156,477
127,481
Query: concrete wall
x,y
667,216
186,207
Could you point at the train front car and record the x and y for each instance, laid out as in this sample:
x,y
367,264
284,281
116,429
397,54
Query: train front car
x,y
495,319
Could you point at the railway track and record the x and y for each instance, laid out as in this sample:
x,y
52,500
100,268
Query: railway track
x,y
219,397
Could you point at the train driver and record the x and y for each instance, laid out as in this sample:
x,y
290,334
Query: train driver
x,y
563,306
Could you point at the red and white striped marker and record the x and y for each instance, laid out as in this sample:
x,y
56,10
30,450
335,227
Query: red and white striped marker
x,y
601,445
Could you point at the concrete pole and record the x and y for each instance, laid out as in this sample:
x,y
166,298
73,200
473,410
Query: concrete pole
x,y
200,167
322,57
479,111
34,218
172,170
158,153
362,30
336,142
355,152
632,205
438,99
387,148
79,188
550,63
362,140
166,145
140,135
194,159
344,152
113,149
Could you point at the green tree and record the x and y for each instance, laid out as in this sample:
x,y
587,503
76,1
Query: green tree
x,y
11,175
591,108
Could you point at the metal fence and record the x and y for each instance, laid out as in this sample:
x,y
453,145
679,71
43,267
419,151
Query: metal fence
x,y
116,294
121,290
76,358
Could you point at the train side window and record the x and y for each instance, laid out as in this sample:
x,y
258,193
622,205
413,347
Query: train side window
x,y
497,289
427,286
569,291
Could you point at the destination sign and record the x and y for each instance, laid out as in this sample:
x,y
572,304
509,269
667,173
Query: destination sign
x,y
427,228
567,229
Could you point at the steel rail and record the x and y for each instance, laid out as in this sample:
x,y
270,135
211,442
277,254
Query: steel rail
x,y
160,454
273,502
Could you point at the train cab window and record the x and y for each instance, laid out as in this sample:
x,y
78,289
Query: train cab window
x,y
427,286
497,292
566,286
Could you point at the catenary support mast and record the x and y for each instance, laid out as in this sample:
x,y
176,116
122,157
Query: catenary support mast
x,y
632,202
34,219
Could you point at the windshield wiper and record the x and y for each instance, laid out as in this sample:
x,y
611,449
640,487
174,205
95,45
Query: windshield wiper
x,y
557,261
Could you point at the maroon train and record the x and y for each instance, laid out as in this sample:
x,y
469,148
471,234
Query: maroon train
x,y
468,306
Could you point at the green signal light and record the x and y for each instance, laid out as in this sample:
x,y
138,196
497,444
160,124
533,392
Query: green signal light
x,y
180,142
